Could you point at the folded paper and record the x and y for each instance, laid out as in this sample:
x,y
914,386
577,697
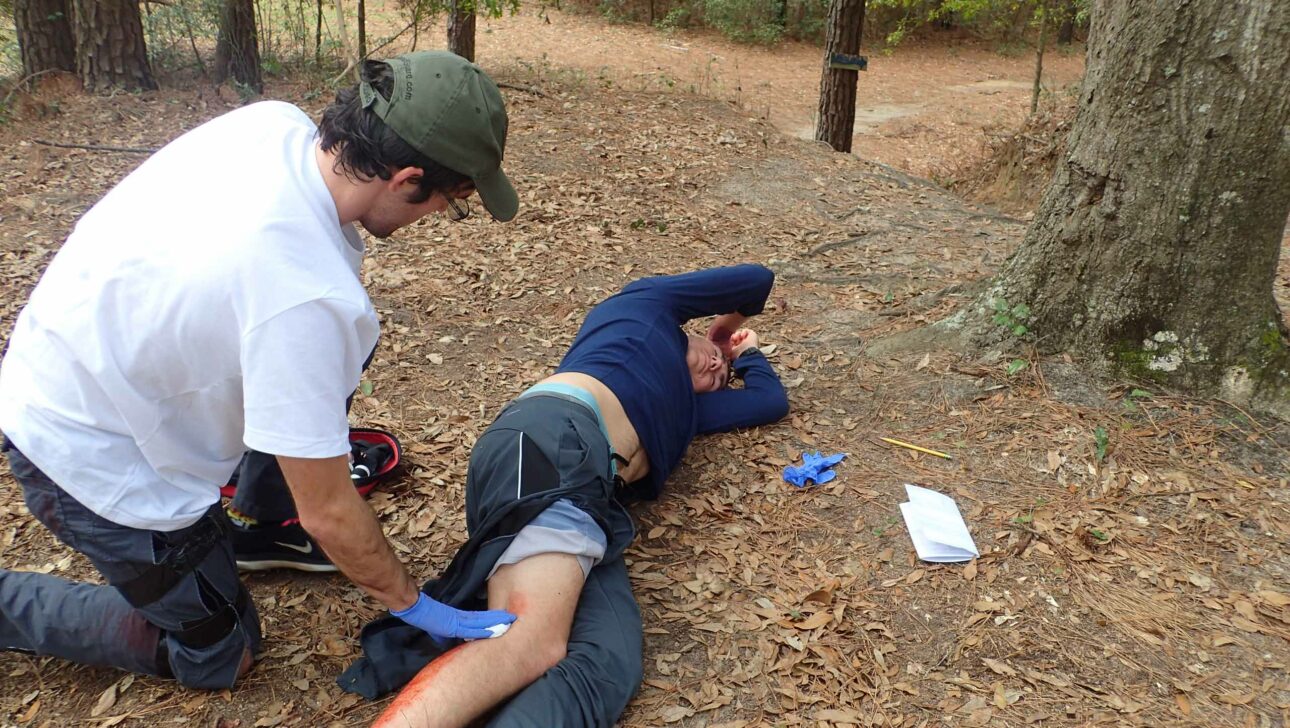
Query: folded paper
x,y
936,526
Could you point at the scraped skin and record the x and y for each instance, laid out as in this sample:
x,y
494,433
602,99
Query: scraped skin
x,y
542,591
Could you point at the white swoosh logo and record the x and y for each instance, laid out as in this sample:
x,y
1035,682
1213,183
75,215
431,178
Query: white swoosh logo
x,y
308,548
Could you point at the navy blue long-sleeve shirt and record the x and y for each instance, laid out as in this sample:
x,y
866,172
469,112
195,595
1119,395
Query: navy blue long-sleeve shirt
x,y
633,343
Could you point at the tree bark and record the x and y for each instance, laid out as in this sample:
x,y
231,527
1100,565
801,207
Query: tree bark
x,y
45,39
237,49
318,35
110,50
837,115
1066,31
461,29
1156,243
344,36
362,29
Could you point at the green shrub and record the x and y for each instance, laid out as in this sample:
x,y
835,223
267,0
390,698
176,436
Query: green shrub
x,y
807,20
747,21
678,17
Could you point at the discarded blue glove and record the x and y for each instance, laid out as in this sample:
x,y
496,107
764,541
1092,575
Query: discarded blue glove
x,y
813,467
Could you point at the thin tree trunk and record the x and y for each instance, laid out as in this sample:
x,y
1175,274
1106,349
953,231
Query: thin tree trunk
x,y
1155,246
362,28
837,114
192,42
110,49
318,35
344,34
416,23
45,39
1039,55
461,29
237,50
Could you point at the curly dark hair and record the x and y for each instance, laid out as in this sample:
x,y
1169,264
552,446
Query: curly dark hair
x,y
366,148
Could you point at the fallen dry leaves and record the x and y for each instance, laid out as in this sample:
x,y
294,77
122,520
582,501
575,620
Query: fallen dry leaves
x,y
1146,586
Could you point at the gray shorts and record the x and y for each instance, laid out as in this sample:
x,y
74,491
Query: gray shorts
x,y
562,528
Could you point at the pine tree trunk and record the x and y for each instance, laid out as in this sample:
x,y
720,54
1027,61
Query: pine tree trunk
x,y
110,50
461,30
45,40
237,51
1066,31
1155,246
838,85
318,35
362,29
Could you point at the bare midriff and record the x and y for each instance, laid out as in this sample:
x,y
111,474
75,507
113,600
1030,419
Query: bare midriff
x,y
622,435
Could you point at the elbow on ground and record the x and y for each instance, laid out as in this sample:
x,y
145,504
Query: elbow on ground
x,y
777,406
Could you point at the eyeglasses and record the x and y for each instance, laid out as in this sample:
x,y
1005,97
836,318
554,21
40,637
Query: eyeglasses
x,y
458,209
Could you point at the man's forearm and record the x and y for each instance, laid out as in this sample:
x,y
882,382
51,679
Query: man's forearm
x,y
742,288
355,543
347,530
731,322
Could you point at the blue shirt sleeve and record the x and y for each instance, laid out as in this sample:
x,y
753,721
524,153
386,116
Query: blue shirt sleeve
x,y
742,288
761,401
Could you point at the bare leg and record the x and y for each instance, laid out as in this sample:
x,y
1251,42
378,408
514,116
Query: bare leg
x,y
592,685
465,682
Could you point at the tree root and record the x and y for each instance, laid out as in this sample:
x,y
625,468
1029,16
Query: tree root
x,y
526,89
98,147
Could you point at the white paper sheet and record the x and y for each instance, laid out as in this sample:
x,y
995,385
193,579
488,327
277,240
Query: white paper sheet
x,y
936,526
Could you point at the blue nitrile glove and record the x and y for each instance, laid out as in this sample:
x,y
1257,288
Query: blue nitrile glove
x,y
813,467
442,621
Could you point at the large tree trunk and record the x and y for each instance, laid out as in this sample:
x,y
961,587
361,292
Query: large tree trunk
x,y
110,50
1156,243
44,36
237,51
461,29
838,85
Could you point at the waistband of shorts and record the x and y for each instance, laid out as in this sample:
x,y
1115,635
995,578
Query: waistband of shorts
x,y
567,391
576,394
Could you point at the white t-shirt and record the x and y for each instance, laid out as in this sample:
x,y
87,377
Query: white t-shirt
x,y
209,303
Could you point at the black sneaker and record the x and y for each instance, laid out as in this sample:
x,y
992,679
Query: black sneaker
x,y
284,546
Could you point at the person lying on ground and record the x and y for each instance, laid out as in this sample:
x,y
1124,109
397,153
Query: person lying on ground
x,y
544,507
211,302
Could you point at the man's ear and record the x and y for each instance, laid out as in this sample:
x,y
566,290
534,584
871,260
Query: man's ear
x,y
404,176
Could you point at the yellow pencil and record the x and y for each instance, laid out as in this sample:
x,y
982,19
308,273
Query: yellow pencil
x,y
915,447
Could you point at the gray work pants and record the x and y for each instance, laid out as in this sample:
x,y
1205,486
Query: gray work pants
x,y
180,633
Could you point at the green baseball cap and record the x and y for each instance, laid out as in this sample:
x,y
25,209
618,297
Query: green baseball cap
x,y
451,111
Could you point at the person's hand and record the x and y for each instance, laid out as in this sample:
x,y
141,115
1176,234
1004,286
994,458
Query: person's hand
x,y
721,336
442,621
741,341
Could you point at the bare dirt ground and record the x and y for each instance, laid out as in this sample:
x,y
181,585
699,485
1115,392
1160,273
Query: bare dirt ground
x,y
922,107
1134,543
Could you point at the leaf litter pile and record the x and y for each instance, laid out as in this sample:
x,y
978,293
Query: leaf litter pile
x,y
1133,565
